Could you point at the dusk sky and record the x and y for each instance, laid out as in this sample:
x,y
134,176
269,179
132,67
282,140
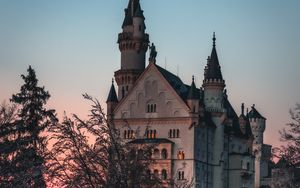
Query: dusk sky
x,y
72,45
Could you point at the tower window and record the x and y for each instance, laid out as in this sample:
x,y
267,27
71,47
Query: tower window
x,y
140,28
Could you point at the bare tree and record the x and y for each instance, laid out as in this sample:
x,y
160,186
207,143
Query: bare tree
x,y
291,136
91,153
290,152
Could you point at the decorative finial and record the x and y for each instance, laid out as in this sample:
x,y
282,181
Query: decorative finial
x,y
214,39
193,78
243,107
112,81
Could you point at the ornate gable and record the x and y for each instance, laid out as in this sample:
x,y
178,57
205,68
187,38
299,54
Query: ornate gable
x,y
152,97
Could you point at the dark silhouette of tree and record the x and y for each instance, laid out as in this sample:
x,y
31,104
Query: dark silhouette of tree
x,y
91,153
8,114
289,153
291,135
23,143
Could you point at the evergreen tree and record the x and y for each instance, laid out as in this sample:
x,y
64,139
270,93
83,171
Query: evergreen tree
x,y
27,145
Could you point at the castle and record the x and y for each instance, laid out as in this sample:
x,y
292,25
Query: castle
x,y
199,136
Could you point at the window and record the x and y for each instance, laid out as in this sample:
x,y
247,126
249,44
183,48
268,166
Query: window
x,y
156,173
164,154
151,133
151,108
164,175
140,28
180,175
156,153
180,155
129,134
248,166
174,133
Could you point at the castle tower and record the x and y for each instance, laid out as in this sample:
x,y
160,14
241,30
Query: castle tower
x,y
213,82
133,44
214,85
258,125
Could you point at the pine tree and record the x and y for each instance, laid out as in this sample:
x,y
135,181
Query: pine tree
x,y
27,145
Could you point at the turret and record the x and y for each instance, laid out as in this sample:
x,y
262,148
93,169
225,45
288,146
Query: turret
x,y
111,101
213,82
193,97
133,44
258,125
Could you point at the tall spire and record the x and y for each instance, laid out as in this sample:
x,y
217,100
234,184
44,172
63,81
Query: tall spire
x,y
133,10
213,69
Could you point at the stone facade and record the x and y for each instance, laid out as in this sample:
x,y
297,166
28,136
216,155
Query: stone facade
x,y
200,138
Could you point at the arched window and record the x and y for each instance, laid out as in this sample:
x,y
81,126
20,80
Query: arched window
x,y
170,133
155,173
164,154
180,175
156,153
154,134
177,133
164,175
174,133
125,134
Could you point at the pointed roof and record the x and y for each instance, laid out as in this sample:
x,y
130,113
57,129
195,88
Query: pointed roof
x,y
213,69
254,113
193,93
133,10
139,12
112,96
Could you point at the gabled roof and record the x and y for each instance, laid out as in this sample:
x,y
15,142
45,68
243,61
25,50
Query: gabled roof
x,y
112,96
213,68
282,163
235,129
176,83
254,113
179,88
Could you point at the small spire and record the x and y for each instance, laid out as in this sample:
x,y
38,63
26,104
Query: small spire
x,y
193,91
242,108
112,81
112,96
214,40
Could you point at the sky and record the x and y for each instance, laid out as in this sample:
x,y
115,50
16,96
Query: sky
x,y
72,45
